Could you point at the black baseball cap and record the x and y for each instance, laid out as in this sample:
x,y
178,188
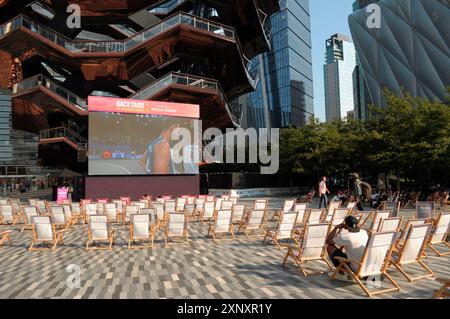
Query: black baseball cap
x,y
352,224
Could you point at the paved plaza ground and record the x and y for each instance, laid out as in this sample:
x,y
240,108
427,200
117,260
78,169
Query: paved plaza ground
x,y
242,269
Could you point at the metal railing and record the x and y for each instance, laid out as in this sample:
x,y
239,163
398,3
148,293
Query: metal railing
x,y
167,7
115,46
41,80
143,94
63,132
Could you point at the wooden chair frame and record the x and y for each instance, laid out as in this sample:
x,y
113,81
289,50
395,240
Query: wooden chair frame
x,y
245,223
431,243
288,206
5,235
397,263
444,291
212,229
184,236
274,235
356,275
56,234
110,238
299,258
133,239
26,224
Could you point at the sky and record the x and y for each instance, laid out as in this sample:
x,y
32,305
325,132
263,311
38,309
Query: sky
x,y
328,17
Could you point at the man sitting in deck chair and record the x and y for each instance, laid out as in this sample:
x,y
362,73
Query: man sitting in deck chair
x,y
349,237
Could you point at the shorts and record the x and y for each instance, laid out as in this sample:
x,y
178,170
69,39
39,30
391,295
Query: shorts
x,y
337,253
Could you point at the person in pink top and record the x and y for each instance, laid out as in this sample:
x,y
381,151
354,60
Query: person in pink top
x,y
323,190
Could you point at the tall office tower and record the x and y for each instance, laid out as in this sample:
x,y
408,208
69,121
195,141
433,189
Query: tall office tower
x,y
284,81
338,75
190,51
410,50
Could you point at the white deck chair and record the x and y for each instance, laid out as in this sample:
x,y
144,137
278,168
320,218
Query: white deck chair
x,y
170,206
7,215
176,228
330,210
32,201
29,212
288,206
4,201
129,210
218,204
99,230
44,232
222,225
100,208
301,210
412,251
424,209
254,221
141,229
90,209
238,211
17,208
76,211
59,218
312,247
390,224
42,206
189,210
285,229
414,222
378,217
208,211
439,233
314,216
260,204
190,200
210,198
199,205
112,213
119,206
227,204
67,208
139,204
152,212
339,216
373,264
181,202
159,209
394,206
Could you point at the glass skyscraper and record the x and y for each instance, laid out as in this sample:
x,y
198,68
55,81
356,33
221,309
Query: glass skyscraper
x,y
338,73
284,90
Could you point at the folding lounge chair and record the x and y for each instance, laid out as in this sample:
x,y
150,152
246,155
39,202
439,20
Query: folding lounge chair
x,y
59,218
285,229
425,209
314,216
312,247
199,205
208,211
76,212
260,204
170,206
7,215
32,201
288,206
102,200
139,204
210,198
29,212
17,208
330,210
99,230
394,206
42,206
222,225
71,219
254,221
141,229
130,209
159,210
377,218
110,210
390,224
412,202
444,291
339,216
238,211
5,235
227,204
44,232
439,233
152,212
403,232
176,228
189,210
412,251
373,264
4,201
218,204
181,202
301,210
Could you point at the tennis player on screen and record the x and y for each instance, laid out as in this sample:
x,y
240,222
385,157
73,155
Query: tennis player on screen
x,y
157,159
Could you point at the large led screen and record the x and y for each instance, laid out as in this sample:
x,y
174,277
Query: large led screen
x,y
135,142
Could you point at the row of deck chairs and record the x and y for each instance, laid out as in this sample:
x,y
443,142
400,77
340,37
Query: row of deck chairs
x,y
390,245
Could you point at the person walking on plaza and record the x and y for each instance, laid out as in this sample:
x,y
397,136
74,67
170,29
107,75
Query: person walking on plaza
x,y
357,190
323,190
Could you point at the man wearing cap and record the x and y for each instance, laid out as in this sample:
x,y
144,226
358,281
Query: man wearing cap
x,y
347,237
